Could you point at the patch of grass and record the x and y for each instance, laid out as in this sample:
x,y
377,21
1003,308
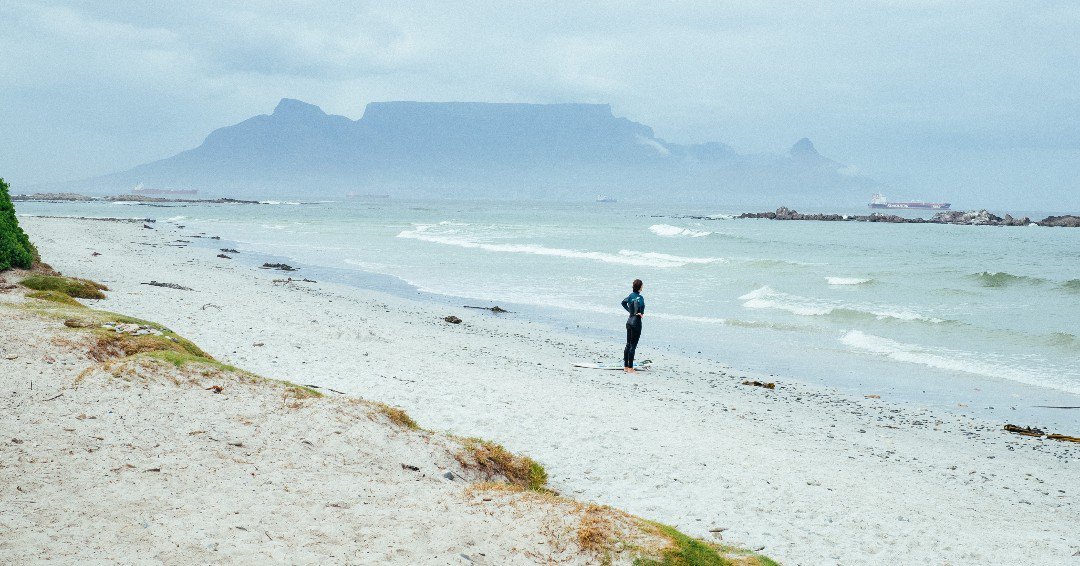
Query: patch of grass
x,y
494,460
109,345
77,288
683,550
181,359
55,297
397,416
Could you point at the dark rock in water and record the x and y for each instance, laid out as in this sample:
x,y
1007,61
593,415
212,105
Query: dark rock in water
x,y
278,266
973,218
756,383
148,227
230,251
223,256
1067,221
453,319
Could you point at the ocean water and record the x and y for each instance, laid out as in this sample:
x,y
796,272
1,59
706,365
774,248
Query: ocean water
x,y
982,320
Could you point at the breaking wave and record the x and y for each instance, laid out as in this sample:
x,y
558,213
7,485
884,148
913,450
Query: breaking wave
x,y
847,281
669,231
769,299
1003,279
624,257
986,365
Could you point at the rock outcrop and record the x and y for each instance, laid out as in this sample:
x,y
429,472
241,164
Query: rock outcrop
x,y
973,218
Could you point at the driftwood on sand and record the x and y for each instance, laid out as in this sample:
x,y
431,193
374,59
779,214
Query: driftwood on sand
x,y
168,285
1032,431
495,309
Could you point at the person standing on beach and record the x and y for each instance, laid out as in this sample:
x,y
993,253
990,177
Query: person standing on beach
x,y
635,305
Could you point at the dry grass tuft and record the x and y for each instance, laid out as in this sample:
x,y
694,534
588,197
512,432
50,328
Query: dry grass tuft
x,y
397,416
596,531
295,396
495,461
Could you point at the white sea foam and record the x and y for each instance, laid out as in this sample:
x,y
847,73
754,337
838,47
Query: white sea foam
x,y
985,365
175,218
768,298
289,202
669,231
847,281
672,258
626,257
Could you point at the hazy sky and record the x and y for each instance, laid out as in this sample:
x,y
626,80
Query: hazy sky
x,y
968,101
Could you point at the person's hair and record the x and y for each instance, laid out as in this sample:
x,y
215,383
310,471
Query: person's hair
x,y
637,285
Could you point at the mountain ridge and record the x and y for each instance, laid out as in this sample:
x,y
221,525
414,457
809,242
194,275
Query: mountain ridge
x,y
567,151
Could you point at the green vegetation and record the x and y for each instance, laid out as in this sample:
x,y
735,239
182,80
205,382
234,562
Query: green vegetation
x,y
687,551
77,288
55,297
15,247
494,460
181,359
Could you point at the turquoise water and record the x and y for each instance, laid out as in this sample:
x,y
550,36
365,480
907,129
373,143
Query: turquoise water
x,y
964,318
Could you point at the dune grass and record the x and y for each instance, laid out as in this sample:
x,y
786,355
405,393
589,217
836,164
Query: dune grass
x,y
397,416
684,550
494,460
56,297
72,287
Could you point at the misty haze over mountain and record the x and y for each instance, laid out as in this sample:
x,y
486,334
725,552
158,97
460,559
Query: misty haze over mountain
x,y
486,151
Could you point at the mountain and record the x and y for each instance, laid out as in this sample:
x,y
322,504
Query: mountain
x,y
481,150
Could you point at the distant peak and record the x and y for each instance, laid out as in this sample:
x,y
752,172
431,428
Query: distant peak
x,y
292,108
803,147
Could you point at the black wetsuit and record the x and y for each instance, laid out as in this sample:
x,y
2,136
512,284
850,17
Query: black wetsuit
x,y
635,305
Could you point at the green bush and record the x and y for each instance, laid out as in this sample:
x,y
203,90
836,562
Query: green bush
x,y
15,247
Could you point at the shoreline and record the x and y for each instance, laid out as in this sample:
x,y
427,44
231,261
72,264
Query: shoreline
x,y
686,444
968,396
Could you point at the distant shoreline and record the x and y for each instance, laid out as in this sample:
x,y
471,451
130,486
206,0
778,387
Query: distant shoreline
x,y
75,197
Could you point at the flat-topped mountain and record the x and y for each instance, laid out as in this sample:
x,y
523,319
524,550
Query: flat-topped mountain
x,y
479,150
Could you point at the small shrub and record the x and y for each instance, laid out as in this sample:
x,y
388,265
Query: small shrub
x,y
55,297
494,460
77,288
15,247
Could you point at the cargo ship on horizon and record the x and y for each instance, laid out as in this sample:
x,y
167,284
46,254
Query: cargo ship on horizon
x,y
879,201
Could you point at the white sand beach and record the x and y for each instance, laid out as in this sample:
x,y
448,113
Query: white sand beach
x,y
806,474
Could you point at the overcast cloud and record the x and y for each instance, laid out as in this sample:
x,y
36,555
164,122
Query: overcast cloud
x,y
971,101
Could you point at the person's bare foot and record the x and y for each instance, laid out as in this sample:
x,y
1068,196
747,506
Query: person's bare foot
x,y
630,370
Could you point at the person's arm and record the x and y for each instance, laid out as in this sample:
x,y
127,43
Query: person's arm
x,y
641,305
626,304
